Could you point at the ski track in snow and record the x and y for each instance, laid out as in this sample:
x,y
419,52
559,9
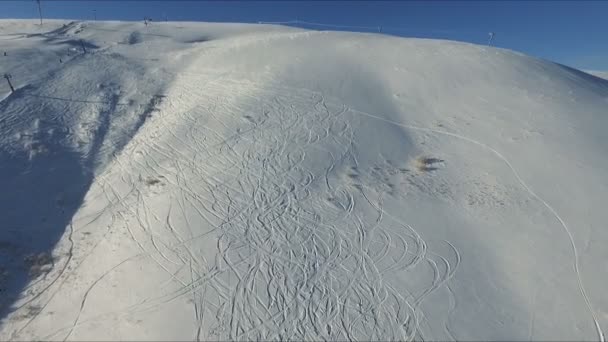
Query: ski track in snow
x,y
299,256
296,256
531,192
562,223
283,270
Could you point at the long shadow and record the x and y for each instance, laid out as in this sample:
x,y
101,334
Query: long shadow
x,y
59,37
77,43
73,100
127,31
43,183
62,30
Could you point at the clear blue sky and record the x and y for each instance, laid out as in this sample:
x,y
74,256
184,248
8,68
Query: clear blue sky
x,y
569,32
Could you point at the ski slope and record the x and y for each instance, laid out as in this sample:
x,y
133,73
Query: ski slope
x,y
184,181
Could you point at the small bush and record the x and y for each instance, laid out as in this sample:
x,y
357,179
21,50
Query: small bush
x,y
425,164
39,263
152,181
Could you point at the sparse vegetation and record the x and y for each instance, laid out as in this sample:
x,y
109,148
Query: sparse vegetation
x,y
152,181
39,263
425,163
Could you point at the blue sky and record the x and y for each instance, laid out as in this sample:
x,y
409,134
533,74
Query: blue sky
x,y
569,32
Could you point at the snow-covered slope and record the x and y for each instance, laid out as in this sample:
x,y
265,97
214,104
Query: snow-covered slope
x,y
601,74
221,181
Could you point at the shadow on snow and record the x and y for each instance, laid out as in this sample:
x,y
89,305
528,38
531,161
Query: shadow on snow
x,y
44,182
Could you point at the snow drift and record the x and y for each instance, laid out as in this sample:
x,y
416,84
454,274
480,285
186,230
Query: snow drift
x,y
221,181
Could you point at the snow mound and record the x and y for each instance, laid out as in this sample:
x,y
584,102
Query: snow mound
x,y
226,181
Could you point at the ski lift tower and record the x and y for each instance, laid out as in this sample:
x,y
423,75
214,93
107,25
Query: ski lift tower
x,y
8,79
39,11
490,38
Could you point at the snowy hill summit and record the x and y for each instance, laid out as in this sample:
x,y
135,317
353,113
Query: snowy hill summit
x,y
178,181
600,74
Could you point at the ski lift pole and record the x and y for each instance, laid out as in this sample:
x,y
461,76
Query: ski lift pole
x,y
8,79
39,11
491,37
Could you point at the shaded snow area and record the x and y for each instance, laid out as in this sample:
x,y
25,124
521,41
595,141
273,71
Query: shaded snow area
x,y
183,181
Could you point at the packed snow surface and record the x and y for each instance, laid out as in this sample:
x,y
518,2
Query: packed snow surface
x,y
182,181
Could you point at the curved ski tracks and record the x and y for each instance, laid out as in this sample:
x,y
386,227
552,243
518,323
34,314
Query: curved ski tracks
x,y
298,254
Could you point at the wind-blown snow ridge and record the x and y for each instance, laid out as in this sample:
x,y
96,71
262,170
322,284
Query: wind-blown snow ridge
x,y
256,182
